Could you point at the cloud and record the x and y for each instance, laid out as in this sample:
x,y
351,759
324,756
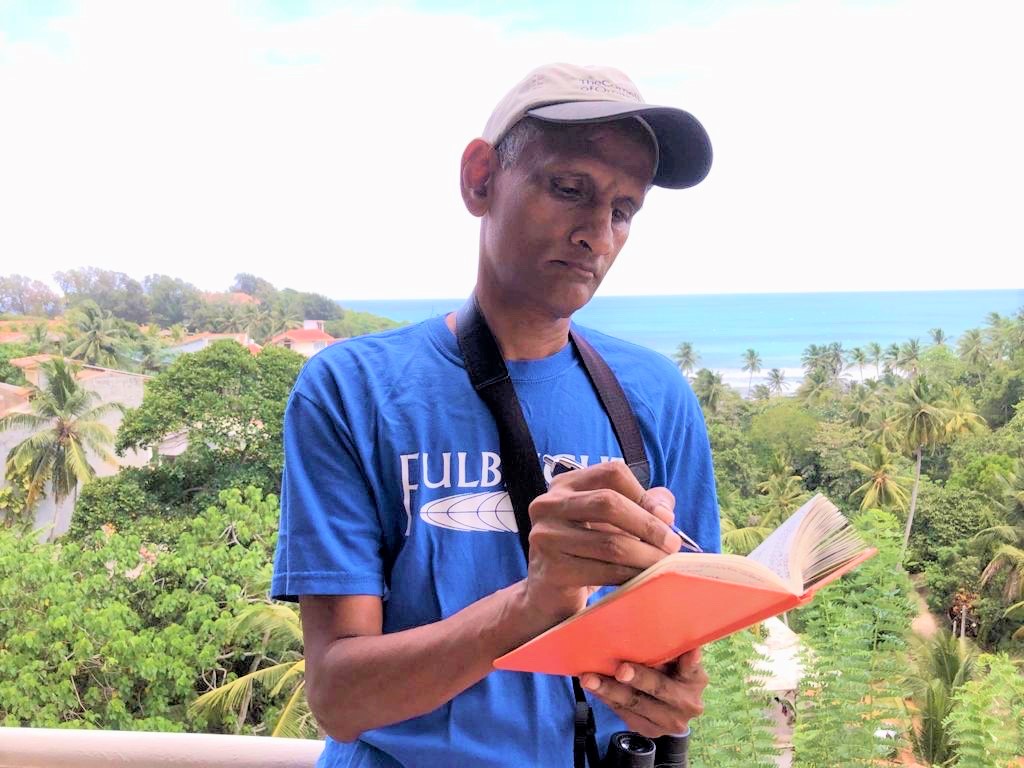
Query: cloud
x,y
858,145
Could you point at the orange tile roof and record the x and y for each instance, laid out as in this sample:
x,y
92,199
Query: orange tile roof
x,y
29,362
302,335
254,348
12,337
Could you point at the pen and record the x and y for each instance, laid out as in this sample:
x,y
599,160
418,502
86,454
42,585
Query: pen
x,y
560,464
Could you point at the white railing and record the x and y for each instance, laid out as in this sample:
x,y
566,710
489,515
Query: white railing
x,y
60,748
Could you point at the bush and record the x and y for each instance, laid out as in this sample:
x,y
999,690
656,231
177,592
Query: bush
x,y
113,632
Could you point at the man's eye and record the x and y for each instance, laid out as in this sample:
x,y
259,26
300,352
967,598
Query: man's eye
x,y
566,190
620,215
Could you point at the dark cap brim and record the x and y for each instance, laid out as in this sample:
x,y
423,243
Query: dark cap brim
x,y
683,145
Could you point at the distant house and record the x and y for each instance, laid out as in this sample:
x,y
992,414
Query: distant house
x,y
203,340
111,385
307,340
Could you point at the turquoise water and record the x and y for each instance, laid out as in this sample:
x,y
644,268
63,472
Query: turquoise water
x,y
778,326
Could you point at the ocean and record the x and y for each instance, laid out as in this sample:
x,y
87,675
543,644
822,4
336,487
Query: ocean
x,y
779,326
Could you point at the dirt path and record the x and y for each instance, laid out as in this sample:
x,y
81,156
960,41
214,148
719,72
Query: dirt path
x,y
924,624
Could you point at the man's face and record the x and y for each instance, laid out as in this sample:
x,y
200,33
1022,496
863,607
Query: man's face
x,y
558,218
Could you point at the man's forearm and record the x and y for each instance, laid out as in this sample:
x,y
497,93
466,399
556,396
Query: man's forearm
x,y
370,681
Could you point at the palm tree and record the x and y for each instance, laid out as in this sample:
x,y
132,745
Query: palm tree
x,y
884,487
939,337
835,358
972,348
762,392
874,351
922,420
752,363
65,422
813,357
281,633
942,665
282,319
709,388
783,491
962,416
859,358
95,336
863,402
817,386
891,357
742,541
777,381
909,358
884,429
39,337
685,358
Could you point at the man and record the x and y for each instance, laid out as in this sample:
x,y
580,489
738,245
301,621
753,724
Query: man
x,y
395,534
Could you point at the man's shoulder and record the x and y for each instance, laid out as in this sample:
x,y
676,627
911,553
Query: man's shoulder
x,y
620,353
374,356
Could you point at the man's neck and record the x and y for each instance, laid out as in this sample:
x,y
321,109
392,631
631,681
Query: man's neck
x,y
521,335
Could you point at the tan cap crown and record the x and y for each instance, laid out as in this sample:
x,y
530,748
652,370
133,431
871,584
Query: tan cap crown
x,y
568,93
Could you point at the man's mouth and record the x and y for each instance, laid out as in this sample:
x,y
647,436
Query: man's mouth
x,y
575,267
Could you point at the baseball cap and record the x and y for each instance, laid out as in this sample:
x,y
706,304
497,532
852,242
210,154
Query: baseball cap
x,y
567,93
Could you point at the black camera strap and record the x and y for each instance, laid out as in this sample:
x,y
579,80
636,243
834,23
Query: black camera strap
x,y
521,468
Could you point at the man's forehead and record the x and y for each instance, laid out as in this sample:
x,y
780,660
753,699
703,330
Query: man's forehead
x,y
623,143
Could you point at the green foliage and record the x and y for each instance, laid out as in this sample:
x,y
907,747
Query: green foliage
x,y
113,292
943,664
121,501
1001,390
111,632
171,299
783,427
947,517
987,475
735,462
276,631
10,374
735,730
855,631
355,323
230,402
985,722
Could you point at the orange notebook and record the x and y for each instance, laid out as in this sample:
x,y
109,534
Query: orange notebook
x,y
688,600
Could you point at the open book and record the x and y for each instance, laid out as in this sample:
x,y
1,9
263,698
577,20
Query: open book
x,y
686,600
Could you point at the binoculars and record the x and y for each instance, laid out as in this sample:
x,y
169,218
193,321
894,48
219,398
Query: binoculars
x,y
627,749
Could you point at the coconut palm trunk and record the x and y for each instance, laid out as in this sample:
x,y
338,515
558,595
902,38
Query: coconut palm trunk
x,y
913,501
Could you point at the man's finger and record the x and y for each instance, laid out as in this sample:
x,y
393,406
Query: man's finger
x,y
606,546
609,474
661,502
688,662
608,506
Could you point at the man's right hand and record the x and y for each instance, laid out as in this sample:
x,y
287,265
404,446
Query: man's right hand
x,y
593,527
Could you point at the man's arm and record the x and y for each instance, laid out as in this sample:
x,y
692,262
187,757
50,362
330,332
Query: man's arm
x,y
358,678
586,531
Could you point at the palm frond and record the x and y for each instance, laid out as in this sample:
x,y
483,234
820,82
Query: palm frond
x,y
279,623
293,721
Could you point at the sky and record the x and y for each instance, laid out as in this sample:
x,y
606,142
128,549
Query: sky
x,y
858,145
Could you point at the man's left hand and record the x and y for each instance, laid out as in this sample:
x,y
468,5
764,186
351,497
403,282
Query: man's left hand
x,y
653,701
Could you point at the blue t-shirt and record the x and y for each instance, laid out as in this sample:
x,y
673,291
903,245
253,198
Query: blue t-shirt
x,y
392,487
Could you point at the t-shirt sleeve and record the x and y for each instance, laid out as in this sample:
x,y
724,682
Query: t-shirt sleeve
x,y
696,498
690,472
330,537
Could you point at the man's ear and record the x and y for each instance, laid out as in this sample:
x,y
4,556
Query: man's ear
x,y
476,174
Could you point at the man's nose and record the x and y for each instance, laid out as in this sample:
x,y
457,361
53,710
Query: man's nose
x,y
595,233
